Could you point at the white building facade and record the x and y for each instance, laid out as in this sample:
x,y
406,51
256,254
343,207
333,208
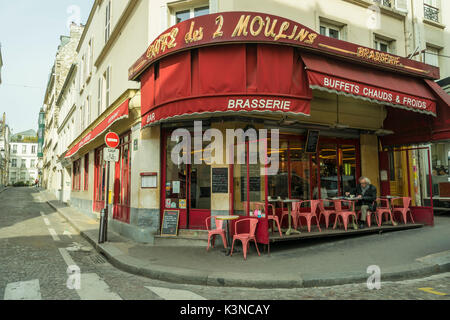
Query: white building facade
x,y
23,163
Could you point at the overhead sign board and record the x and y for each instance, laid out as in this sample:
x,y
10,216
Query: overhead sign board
x,y
247,27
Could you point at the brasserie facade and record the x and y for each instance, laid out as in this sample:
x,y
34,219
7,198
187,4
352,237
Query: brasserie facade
x,y
338,110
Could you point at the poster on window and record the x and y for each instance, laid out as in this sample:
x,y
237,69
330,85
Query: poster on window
x,y
176,187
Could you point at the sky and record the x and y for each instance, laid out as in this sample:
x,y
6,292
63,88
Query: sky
x,y
30,33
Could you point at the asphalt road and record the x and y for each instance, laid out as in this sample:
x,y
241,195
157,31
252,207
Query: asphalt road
x,y
42,257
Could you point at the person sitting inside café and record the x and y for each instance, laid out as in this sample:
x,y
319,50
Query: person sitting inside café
x,y
367,193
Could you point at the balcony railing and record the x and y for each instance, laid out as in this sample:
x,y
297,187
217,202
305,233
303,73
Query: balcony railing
x,y
431,13
386,3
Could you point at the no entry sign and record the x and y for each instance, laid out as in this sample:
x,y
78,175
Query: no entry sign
x,y
112,139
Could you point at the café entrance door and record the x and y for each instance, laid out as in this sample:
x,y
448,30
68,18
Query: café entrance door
x,y
186,187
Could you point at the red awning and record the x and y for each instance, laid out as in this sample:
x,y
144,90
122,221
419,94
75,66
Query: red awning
x,y
369,84
119,113
225,80
441,124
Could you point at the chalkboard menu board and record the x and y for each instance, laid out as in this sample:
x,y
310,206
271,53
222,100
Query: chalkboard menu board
x,y
312,141
169,225
220,180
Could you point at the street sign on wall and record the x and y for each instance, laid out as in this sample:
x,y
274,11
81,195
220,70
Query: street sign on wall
x,y
112,139
111,154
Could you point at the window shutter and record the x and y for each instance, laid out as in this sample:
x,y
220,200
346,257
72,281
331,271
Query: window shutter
x,y
401,5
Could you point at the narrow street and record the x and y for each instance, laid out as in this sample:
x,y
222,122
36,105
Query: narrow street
x,y
37,246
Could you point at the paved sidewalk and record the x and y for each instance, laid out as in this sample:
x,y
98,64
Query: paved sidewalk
x,y
400,255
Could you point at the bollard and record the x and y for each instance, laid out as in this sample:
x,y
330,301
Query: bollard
x,y
101,231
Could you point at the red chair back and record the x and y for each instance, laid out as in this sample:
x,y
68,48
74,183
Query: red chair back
x,y
219,224
252,225
296,206
406,202
314,205
386,203
337,205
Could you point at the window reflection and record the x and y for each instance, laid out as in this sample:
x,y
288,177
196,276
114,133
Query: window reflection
x,y
328,171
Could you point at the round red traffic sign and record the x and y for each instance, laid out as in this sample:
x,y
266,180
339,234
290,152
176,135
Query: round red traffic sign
x,y
112,140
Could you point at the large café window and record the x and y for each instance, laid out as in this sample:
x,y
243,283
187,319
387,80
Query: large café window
x,y
330,172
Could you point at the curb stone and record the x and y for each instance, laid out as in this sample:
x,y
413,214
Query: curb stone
x,y
255,280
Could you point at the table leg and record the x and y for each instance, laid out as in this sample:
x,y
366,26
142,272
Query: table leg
x,y
290,230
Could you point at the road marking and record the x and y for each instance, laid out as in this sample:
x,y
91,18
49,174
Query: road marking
x,y
23,290
91,286
67,233
66,256
431,290
54,234
175,294
94,288
47,222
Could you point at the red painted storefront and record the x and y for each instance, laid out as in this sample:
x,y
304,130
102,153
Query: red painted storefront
x,y
253,64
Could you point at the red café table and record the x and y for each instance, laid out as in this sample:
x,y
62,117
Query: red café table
x,y
225,219
289,205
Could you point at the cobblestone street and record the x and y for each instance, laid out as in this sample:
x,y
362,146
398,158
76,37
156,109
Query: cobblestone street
x,y
37,246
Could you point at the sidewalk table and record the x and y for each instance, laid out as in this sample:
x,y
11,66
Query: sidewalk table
x,y
289,205
225,219
350,199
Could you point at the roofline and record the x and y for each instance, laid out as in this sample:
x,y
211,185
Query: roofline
x,y
88,23
66,82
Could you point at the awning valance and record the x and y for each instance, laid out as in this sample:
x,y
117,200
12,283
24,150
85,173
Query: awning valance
x,y
119,113
369,84
231,79
441,124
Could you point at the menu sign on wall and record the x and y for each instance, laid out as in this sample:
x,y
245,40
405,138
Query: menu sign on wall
x,y
220,180
312,141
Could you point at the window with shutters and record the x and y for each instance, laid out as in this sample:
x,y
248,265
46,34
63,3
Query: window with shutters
x,y
106,86
107,21
88,110
99,96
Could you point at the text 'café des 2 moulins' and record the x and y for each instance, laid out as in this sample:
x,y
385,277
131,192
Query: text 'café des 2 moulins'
x,y
240,70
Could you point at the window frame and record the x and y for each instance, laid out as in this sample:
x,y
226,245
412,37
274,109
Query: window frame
x,y
191,9
107,29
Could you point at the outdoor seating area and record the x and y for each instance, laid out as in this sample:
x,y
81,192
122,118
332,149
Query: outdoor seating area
x,y
293,219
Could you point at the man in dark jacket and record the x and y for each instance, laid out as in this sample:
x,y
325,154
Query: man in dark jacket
x,y
367,193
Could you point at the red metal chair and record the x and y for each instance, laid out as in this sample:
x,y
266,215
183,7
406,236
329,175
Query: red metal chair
x,y
383,211
404,209
309,215
344,214
245,237
325,212
270,217
219,231
369,217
